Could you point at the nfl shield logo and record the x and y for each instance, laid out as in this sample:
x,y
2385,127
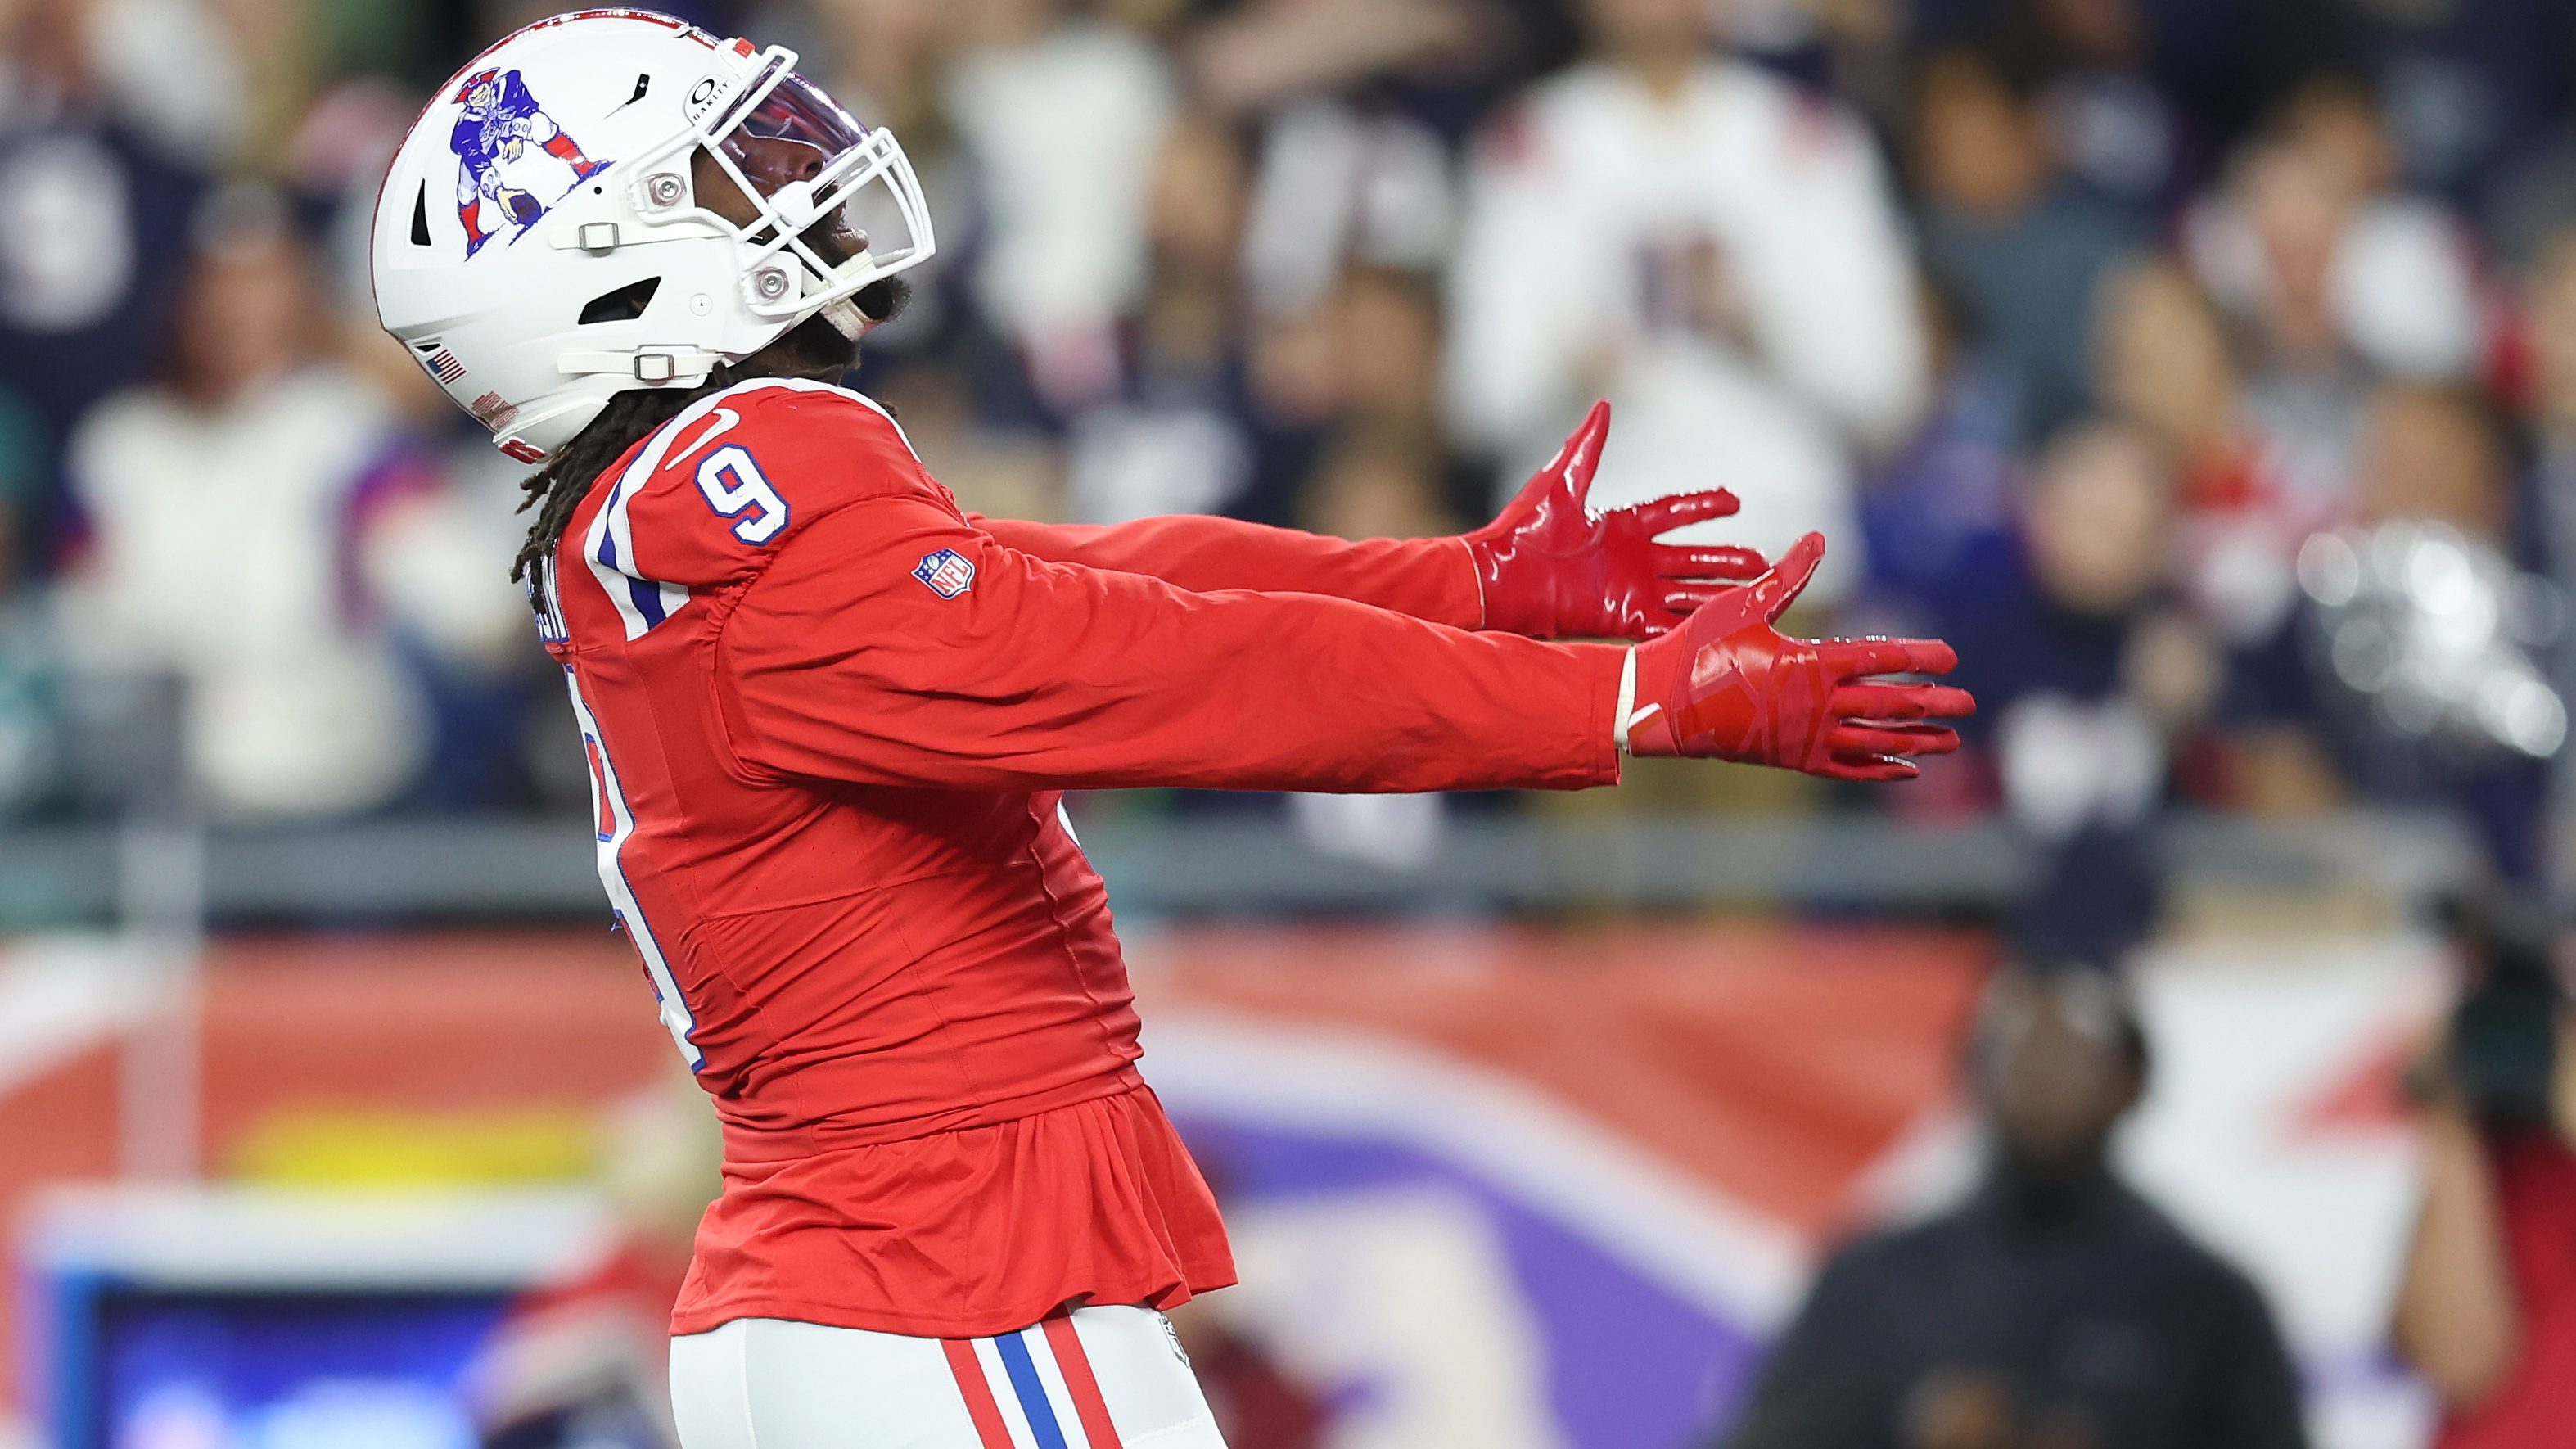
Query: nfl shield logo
x,y
947,571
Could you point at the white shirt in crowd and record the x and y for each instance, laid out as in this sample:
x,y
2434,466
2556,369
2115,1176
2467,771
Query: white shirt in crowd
x,y
229,547
1601,223
1067,131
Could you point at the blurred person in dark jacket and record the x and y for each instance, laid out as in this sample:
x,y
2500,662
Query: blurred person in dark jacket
x,y
111,111
2093,673
1939,507
1174,431
2486,1306
2001,222
2055,1307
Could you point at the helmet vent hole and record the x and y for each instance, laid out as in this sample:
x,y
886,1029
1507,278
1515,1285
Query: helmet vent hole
x,y
420,216
623,305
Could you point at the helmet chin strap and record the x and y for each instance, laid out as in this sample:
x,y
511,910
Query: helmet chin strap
x,y
847,319
871,307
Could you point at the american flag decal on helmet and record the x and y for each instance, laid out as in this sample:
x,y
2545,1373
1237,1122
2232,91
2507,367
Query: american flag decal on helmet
x,y
437,360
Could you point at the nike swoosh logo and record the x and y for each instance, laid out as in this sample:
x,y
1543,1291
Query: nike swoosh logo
x,y
717,426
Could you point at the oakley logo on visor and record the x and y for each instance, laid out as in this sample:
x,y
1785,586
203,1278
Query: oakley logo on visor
x,y
741,97
703,95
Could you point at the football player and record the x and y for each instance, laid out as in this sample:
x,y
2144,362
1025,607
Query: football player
x,y
830,717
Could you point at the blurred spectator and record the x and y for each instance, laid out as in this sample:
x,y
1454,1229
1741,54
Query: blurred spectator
x,y
1936,509
2114,128
2090,679
888,61
28,743
1712,250
2486,1307
2055,1307
164,70
1377,480
2337,277
885,58
108,108
2163,362
2464,80
1176,434
1364,363
1365,95
1337,184
1064,115
2436,455
248,534
2026,248
2550,304
2085,670
1003,472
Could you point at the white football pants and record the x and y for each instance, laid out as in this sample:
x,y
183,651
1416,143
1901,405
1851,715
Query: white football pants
x,y
1094,1378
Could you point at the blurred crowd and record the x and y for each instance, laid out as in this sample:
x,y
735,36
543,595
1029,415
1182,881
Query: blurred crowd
x,y
2074,323
2054,1304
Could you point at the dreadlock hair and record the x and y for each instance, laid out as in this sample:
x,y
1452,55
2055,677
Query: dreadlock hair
x,y
813,348
564,480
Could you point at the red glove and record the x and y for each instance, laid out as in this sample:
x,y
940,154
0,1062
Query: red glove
x,y
1726,685
1551,568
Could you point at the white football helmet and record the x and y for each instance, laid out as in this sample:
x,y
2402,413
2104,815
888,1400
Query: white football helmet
x,y
540,245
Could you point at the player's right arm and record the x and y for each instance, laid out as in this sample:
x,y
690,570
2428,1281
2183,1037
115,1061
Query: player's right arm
x,y
892,643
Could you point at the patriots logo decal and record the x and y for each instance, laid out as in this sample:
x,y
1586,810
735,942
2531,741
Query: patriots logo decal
x,y
513,160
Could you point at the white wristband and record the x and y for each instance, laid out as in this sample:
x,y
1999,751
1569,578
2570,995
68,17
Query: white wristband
x,y
1627,699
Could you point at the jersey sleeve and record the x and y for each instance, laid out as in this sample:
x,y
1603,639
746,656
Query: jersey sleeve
x,y
891,642
1427,578
711,498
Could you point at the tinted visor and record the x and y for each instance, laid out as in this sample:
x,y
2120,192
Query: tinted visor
x,y
815,169
793,133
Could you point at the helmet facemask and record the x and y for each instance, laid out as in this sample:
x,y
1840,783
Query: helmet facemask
x,y
819,206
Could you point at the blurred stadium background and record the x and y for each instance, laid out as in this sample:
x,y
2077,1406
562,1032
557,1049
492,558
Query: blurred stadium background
x,y
2206,369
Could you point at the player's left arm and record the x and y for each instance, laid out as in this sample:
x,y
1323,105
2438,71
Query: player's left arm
x,y
1424,578
1549,567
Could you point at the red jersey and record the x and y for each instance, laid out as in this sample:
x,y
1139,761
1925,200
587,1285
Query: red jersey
x,y
829,717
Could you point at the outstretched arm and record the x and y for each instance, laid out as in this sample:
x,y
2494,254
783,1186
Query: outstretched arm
x,y
892,643
1549,567
1424,578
